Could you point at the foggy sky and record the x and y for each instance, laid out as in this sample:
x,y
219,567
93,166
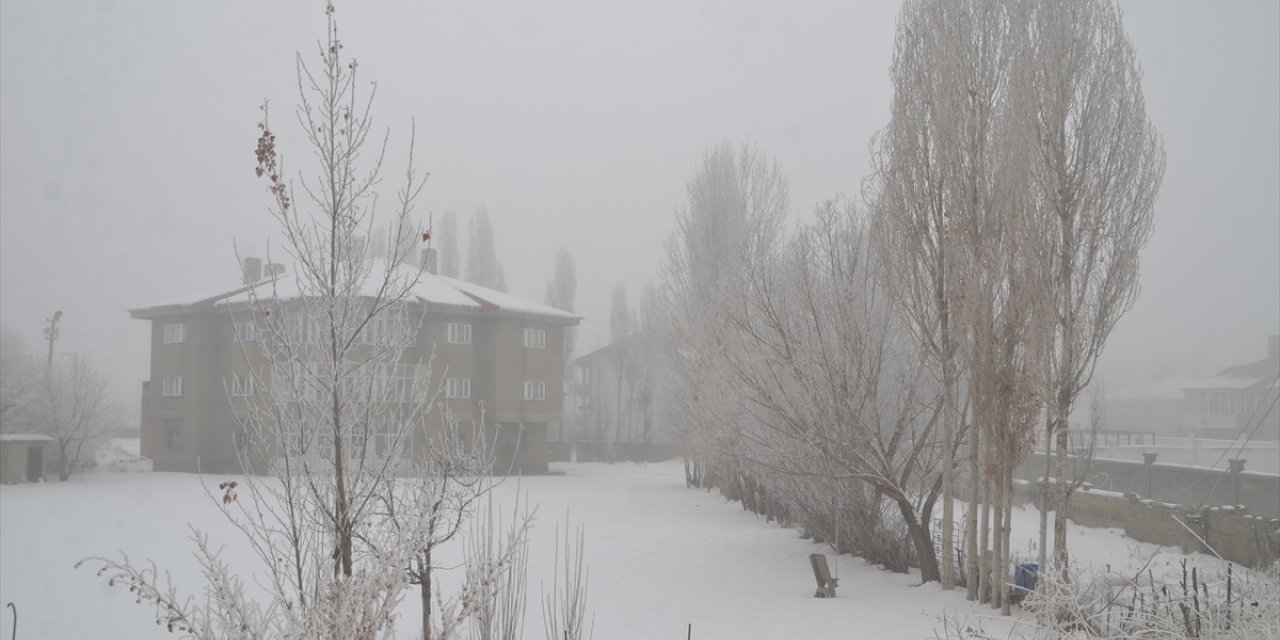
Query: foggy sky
x,y
127,130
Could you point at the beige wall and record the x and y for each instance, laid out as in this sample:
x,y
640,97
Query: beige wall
x,y
13,461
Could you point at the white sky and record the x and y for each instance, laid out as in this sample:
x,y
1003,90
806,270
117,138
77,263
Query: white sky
x,y
126,132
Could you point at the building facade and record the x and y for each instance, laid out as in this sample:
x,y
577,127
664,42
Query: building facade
x,y
497,361
1157,407
618,395
1239,401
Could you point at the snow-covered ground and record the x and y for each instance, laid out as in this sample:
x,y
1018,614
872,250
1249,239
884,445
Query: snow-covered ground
x,y
661,557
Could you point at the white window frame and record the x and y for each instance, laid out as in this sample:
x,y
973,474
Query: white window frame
x,y
301,328
394,382
174,439
535,390
171,386
242,386
246,331
175,333
390,327
457,333
535,338
457,388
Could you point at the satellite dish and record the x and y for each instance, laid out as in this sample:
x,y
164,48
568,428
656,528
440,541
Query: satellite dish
x,y
57,315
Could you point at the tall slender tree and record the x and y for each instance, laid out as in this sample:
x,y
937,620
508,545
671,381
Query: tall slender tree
x,y
445,238
1096,176
561,292
620,327
482,255
338,403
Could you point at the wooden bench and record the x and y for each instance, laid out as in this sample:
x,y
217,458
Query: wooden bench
x,y
822,575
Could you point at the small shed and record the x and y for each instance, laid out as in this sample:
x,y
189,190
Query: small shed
x,y
24,457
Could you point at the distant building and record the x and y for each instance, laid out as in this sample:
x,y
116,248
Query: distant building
x,y
1157,407
492,351
616,395
1239,400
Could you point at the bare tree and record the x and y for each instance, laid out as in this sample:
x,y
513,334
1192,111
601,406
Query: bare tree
x,y
18,375
619,331
564,609
912,202
445,239
829,383
561,292
482,256
730,192
71,404
451,473
497,557
1097,172
337,402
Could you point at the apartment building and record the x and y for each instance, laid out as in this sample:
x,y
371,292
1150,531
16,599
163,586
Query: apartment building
x,y
1239,401
498,362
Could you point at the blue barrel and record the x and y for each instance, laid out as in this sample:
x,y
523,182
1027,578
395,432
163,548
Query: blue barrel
x,y
1024,579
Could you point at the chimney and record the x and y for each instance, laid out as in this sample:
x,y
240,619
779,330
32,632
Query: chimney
x,y
429,260
273,269
1273,347
251,270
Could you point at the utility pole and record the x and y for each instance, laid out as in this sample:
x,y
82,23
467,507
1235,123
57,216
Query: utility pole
x,y
51,334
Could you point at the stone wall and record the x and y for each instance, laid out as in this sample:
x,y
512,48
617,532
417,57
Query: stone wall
x,y
1231,532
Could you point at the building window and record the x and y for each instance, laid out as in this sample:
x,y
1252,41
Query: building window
x,y
302,328
535,391
241,440
172,386
241,386
457,388
246,331
394,383
174,440
535,339
457,333
175,333
390,327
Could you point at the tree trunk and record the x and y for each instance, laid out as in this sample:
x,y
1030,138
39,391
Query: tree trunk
x,y
948,463
999,553
1008,506
1064,488
64,469
424,573
920,537
983,577
1043,557
971,521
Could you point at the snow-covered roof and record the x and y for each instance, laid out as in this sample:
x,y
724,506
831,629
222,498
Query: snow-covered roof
x,y
1260,373
432,289
24,437
1228,382
1163,389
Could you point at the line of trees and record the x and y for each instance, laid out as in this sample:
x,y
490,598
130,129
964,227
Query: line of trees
x,y
913,345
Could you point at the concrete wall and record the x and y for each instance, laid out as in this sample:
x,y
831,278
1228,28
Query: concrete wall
x,y
1179,484
1232,533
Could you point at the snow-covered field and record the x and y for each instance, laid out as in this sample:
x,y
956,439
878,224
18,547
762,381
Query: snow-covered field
x,y
661,557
